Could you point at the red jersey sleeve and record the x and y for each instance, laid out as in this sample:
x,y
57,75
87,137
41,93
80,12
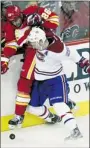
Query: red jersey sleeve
x,y
57,45
11,44
50,19
30,10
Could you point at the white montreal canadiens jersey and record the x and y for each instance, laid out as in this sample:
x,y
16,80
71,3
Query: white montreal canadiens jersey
x,y
48,65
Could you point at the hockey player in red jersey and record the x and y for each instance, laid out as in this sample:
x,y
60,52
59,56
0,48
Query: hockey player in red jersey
x,y
16,19
18,23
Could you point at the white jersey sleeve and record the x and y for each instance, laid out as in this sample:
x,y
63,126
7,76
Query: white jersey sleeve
x,y
70,54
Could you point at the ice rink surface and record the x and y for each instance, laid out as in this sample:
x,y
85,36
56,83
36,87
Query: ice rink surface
x,y
47,136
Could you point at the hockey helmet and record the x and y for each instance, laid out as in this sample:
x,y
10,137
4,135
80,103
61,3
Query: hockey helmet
x,y
37,38
37,34
13,12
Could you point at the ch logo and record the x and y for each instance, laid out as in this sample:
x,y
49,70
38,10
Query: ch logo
x,y
41,56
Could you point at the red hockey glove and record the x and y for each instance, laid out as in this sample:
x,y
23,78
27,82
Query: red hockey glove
x,y
84,63
4,64
34,20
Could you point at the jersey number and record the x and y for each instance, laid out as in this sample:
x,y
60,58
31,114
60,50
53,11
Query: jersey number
x,y
46,13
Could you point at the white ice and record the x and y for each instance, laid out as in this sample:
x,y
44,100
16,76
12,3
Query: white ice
x,y
46,136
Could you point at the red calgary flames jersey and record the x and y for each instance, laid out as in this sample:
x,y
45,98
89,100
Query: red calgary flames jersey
x,y
50,21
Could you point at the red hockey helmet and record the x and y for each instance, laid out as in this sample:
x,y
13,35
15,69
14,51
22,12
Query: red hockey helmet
x,y
12,13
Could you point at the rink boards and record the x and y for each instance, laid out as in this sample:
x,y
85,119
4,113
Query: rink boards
x,y
78,81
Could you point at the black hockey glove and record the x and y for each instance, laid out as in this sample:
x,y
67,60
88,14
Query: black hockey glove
x,y
34,20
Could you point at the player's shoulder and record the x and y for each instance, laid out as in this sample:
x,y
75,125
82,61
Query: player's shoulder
x,y
8,26
57,45
29,9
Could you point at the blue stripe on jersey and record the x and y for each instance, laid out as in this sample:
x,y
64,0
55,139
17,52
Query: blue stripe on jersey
x,y
68,120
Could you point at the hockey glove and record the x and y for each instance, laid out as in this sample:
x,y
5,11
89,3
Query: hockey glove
x,y
84,63
4,64
34,20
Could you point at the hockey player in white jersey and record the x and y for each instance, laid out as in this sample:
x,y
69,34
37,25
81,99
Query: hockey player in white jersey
x,y
50,79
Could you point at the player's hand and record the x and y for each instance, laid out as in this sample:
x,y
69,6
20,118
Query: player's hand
x,y
85,64
34,20
4,64
4,67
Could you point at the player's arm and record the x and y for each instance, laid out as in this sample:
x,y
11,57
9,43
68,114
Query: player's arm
x,y
50,19
42,16
79,60
11,45
9,49
14,39
57,46
30,10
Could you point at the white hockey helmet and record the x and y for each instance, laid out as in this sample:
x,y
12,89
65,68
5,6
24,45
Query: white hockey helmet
x,y
37,38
